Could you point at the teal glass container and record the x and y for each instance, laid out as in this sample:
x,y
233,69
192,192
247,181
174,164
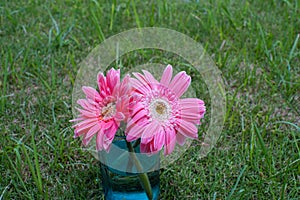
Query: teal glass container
x,y
121,178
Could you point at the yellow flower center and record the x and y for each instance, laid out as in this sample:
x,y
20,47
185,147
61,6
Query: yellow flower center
x,y
160,109
108,111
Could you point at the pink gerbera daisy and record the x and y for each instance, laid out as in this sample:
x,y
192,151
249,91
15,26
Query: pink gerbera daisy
x,y
159,117
103,111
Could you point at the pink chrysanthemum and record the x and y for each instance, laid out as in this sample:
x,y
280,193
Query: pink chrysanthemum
x,y
159,117
103,111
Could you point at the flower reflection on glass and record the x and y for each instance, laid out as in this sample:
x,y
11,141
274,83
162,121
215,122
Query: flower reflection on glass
x,y
157,114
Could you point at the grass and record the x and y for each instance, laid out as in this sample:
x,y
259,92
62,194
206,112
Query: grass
x,y
254,43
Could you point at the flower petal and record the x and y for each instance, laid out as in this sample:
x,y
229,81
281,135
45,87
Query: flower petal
x,y
187,129
138,118
91,93
85,122
134,132
93,130
191,102
99,140
140,77
82,129
119,116
180,83
107,143
145,148
180,139
86,113
137,107
122,106
191,115
113,78
111,131
149,132
139,86
86,140
86,105
101,80
192,110
167,76
159,140
79,133
151,80
170,141
125,87
106,124
76,120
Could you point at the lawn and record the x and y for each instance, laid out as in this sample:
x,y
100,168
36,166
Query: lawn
x,y
255,44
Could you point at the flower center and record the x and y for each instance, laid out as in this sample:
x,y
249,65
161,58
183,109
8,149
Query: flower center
x,y
108,111
160,109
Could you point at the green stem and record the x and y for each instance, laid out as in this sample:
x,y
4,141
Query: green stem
x,y
143,176
136,143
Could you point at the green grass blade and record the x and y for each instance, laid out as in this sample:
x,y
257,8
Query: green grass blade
x,y
32,170
4,83
96,22
264,148
291,54
17,174
137,19
237,182
36,162
112,14
294,136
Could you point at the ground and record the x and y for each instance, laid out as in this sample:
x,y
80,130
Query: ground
x,y
255,44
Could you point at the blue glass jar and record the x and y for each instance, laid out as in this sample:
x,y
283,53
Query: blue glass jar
x,y
121,177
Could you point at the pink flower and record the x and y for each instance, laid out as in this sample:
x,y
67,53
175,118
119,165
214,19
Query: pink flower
x,y
159,117
103,111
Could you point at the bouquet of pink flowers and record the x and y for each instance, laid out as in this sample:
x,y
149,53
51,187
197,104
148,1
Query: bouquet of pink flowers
x,y
153,111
